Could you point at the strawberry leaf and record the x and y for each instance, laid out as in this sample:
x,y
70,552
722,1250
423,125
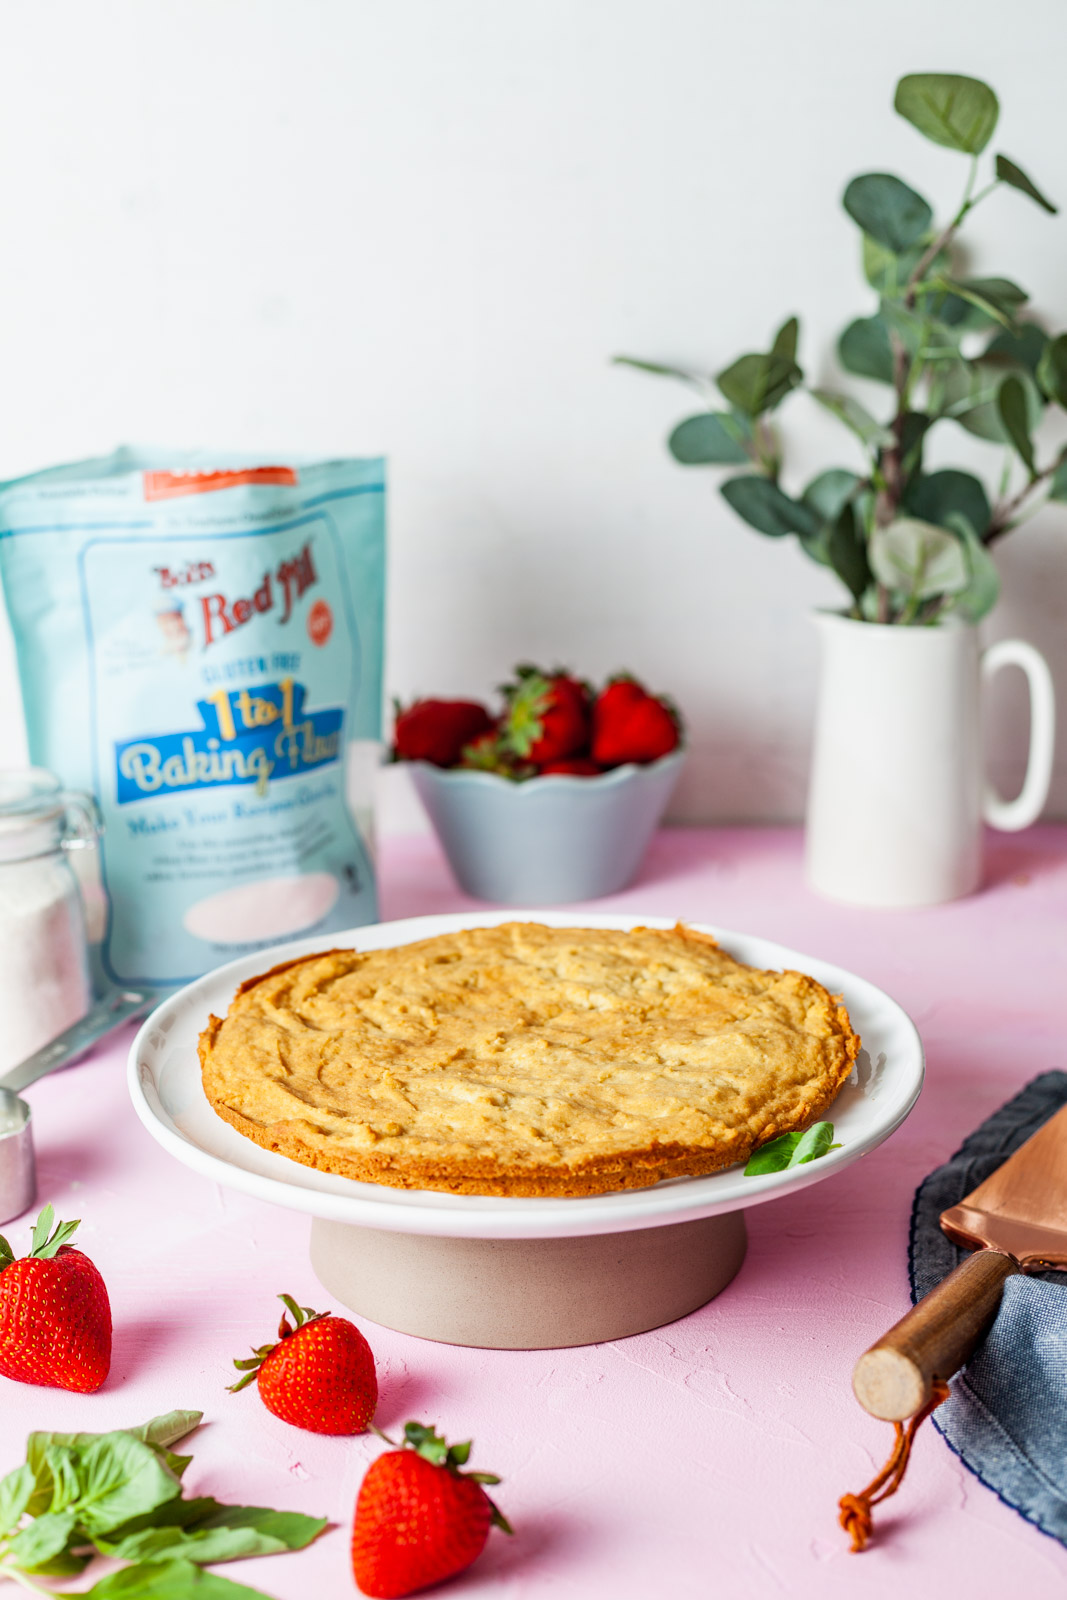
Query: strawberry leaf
x,y
426,1442
7,1255
43,1248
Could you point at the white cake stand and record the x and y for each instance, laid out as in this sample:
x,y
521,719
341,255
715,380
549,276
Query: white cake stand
x,y
514,1274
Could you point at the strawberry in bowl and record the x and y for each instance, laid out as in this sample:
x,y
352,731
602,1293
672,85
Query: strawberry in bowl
x,y
555,798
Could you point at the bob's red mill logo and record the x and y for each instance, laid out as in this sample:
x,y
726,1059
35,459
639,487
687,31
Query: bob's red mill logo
x,y
221,614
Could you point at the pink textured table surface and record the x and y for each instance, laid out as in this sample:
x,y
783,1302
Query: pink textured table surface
x,y
704,1459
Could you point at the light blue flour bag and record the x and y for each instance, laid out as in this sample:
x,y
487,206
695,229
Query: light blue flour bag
x,y
200,645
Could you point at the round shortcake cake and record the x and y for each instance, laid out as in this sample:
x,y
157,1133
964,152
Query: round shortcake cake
x,y
526,1060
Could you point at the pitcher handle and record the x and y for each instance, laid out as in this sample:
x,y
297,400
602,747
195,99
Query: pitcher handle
x,y
1011,815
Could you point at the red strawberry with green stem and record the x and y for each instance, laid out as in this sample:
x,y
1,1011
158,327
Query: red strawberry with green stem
x,y
320,1375
437,730
419,1519
55,1316
547,716
629,724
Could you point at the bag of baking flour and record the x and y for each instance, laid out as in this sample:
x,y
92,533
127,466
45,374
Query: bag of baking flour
x,y
200,645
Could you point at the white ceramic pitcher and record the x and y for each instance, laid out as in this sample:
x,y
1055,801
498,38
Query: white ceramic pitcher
x,y
898,793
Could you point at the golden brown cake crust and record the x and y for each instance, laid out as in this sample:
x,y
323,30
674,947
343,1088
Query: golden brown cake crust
x,y
526,1060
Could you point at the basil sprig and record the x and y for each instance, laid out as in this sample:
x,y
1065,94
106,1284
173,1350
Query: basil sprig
x,y
120,1494
792,1150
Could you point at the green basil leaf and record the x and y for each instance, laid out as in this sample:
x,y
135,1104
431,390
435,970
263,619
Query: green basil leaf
x,y
765,507
291,1528
44,1539
757,383
864,349
1009,173
167,1429
919,559
15,1492
227,1533
874,434
63,1464
792,1150
887,210
1052,370
937,496
1011,405
121,1478
959,113
203,1547
169,1580
710,438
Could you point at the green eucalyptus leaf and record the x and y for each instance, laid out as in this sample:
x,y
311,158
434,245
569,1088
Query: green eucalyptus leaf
x,y
847,552
792,1150
970,398
874,434
864,349
913,432
1021,346
42,1540
757,383
122,1477
983,300
830,492
920,332
1009,173
890,272
1052,369
1011,405
785,340
169,1580
1058,484
950,110
887,210
940,496
765,507
983,589
656,368
918,558
710,438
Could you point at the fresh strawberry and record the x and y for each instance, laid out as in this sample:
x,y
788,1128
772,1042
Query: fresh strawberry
x,y
571,766
629,724
55,1316
547,716
437,730
320,1375
419,1519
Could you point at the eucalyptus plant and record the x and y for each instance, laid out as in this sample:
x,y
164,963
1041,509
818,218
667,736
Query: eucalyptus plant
x,y
910,546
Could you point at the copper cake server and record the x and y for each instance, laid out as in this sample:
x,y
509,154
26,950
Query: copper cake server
x,y
1016,1221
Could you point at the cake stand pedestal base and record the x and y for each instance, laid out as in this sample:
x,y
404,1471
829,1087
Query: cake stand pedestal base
x,y
528,1294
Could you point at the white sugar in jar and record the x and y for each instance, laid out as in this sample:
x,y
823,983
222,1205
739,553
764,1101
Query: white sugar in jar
x,y
44,967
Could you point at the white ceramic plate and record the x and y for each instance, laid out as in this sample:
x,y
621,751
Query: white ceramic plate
x,y
164,1080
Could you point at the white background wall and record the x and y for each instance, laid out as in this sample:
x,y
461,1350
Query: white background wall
x,y
423,226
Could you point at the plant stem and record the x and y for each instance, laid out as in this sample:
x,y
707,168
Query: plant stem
x,y
24,1579
1001,522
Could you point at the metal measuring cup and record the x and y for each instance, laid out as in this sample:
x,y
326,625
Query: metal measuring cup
x,y
18,1173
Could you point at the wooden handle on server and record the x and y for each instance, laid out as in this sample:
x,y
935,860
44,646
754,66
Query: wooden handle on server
x,y
893,1378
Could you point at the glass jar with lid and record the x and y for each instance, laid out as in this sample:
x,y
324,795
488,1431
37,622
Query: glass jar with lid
x,y
44,967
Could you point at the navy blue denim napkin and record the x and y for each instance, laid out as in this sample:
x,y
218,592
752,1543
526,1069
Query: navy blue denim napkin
x,y
1007,1415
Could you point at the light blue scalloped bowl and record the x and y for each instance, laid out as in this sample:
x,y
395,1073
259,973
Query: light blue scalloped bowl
x,y
548,841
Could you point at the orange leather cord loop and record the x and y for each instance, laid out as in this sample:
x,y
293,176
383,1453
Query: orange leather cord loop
x,y
855,1509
